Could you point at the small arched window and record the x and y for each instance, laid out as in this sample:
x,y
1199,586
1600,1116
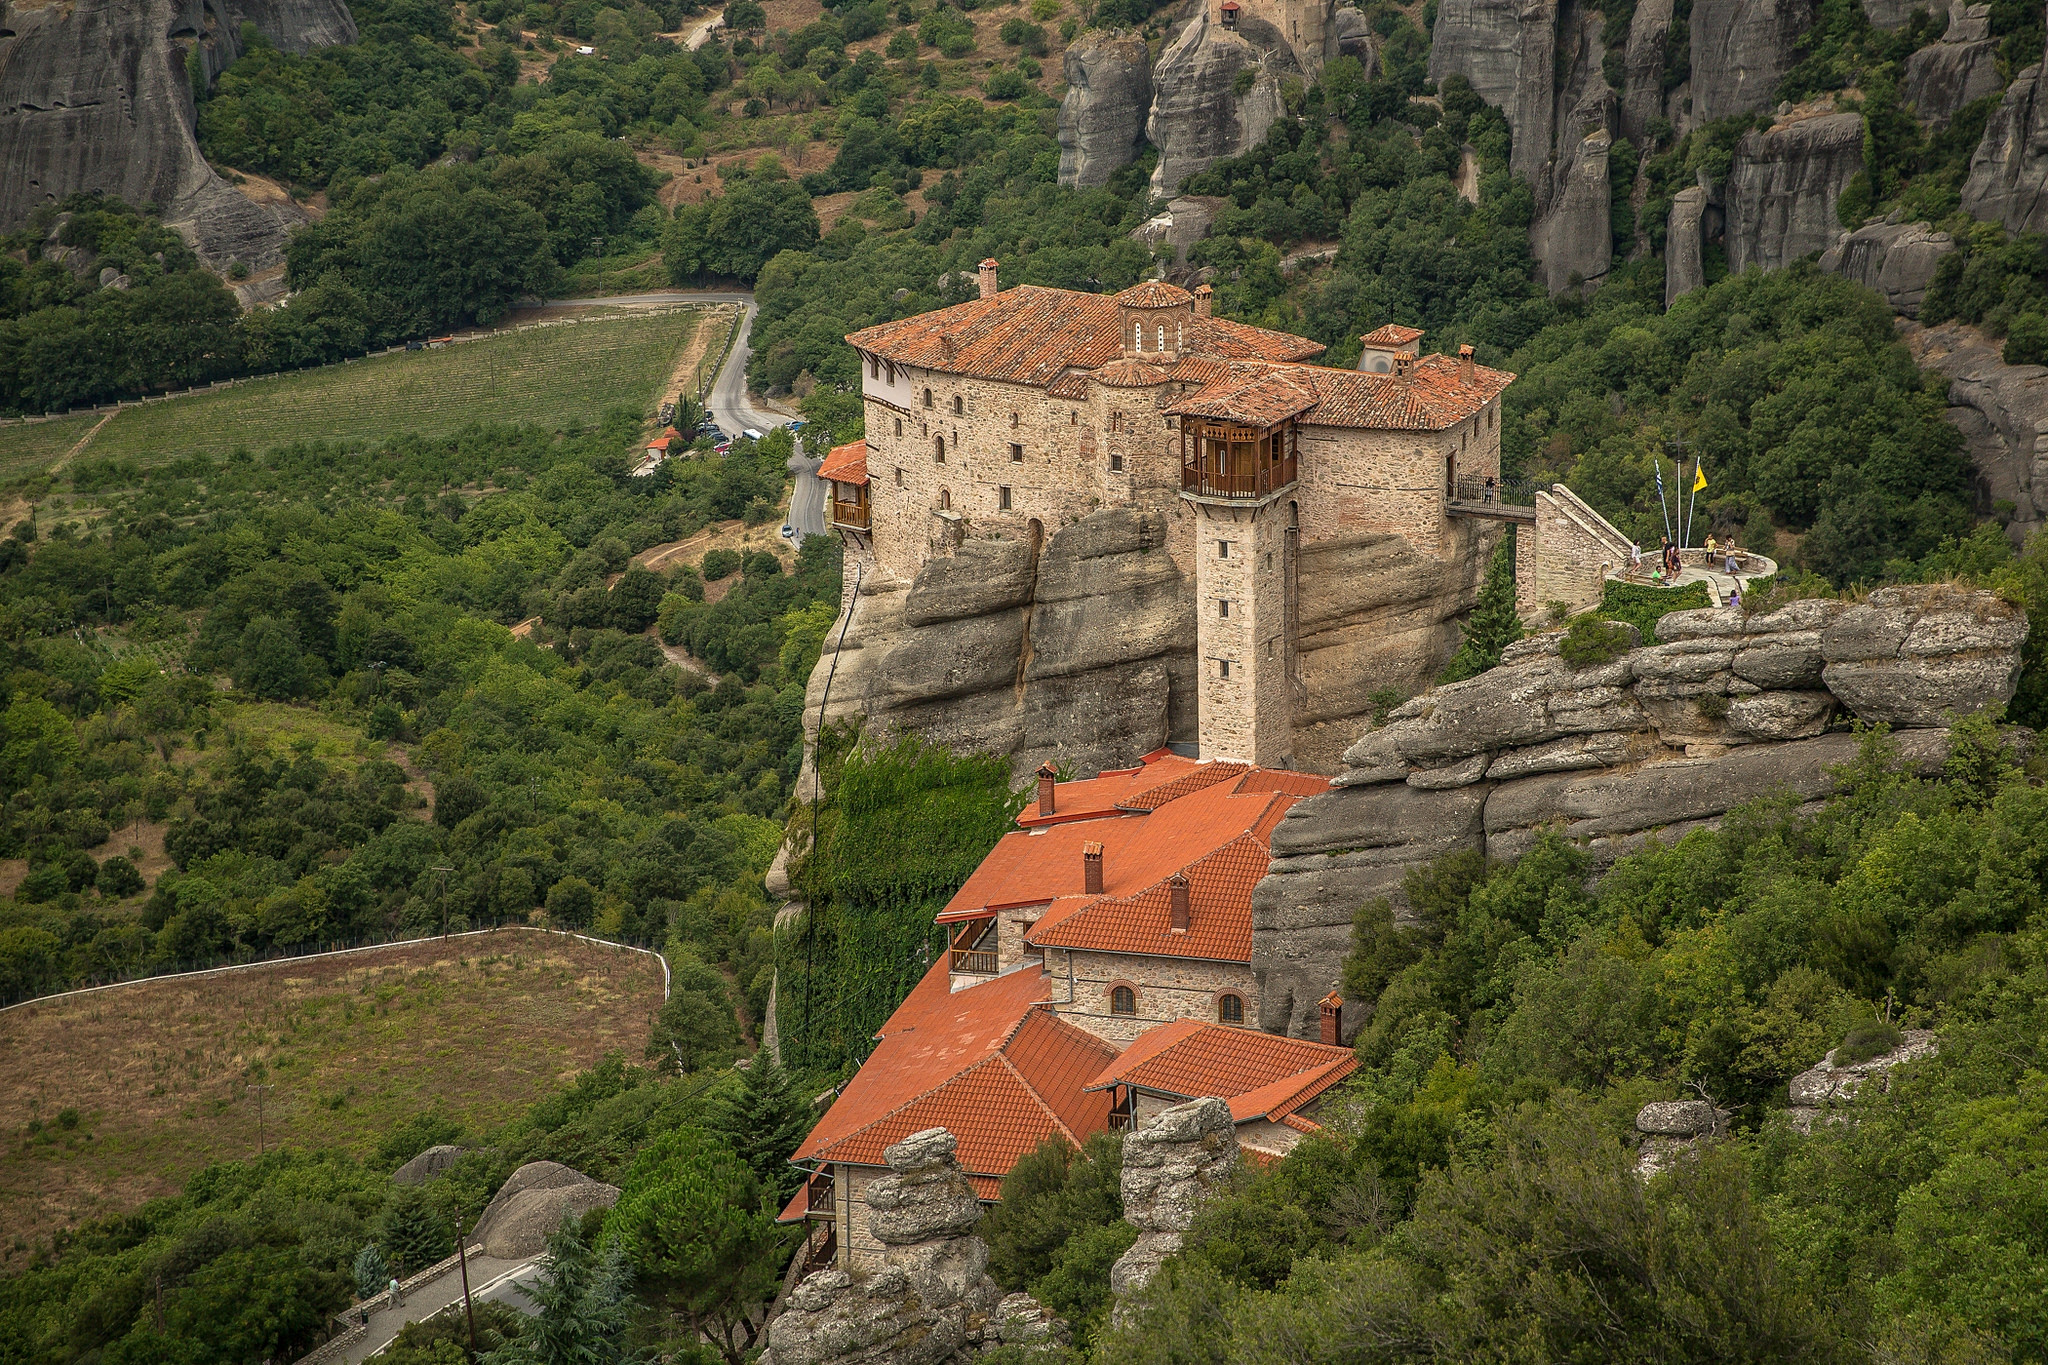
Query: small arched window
x,y
1013,419
1137,336
938,449
874,368
959,406
1123,1000
927,397
899,426
945,499
1162,338
1229,1009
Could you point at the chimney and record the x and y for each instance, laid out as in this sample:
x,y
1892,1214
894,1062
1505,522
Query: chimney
x,y
1091,868
1404,365
988,278
1465,366
1047,776
1205,300
1177,900
1333,1019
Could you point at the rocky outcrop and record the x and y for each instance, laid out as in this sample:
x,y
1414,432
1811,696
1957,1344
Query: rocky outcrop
x,y
532,1203
1172,1164
1352,37
1197,117
2008,180
1897,260
1783,188
427,1165
1684,270
95,95
1827,1086
1574,243
1508,51
1960,69
1642,90
931,1302
1659,740
1672,1130
2002,411
1741,50
1102,118
1184,221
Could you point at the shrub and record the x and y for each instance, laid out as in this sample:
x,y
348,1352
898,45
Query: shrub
x,y
719,564
2026,341
1592,641
118,878
1866,1041
1641,605
1006,84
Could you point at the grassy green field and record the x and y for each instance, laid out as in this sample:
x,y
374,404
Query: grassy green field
x,y
551,375
159,1073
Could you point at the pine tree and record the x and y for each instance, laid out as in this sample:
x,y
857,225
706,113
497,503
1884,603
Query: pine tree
x,y
585,1303
371,1273
414,1235
1494,623
764,1122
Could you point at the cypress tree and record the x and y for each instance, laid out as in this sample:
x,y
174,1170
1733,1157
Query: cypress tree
x,y
1493,624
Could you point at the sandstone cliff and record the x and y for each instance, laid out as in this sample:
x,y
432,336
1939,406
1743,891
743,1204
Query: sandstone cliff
x,y
2009,172
94,95
1783,188
1960,69
1898,260
1102,118
2002,411
1661,740
1741,50
1197,117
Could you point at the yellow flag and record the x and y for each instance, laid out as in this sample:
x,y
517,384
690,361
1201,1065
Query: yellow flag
x,y
1699,477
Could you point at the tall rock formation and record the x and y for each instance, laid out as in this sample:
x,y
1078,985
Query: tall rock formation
x,y
1741,50
1898,260
1642,91
1172,1165
2009,171
95,95
1102,118
1960,69
1658,741
2002,411
1783,188
1508,51
1684,238
1197,116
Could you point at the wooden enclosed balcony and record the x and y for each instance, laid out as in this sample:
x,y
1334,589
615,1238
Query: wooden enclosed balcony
x,y
973,951
1227,460
850,506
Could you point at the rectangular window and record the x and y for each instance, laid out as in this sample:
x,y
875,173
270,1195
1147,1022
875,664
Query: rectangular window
x,y
1003,497
1269,559
1116,421
899,478
1223,669
1223,549
1116,461
1269,649
1016,454
1223,607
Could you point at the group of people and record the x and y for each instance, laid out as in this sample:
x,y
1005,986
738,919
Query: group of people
x,y
1670,564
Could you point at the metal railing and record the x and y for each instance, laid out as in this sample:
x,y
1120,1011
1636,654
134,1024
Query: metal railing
x,y
1477,488
974,961
1236,481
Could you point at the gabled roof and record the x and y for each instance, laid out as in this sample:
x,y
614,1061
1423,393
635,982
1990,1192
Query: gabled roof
x,y
846,464
1262,1075
1392,334
991,1063
1211,821
1256,394
1434,395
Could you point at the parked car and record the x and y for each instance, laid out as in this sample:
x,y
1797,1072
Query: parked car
x,y
750,434
787,530
722,447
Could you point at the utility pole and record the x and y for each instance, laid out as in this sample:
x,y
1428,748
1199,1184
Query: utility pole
x,y
462,1258
258,1091
444,871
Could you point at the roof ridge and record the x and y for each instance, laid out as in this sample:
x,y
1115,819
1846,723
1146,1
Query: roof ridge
x,y
1036,1098
1115,902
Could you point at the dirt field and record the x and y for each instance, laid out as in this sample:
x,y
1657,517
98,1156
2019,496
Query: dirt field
x,y
158,1073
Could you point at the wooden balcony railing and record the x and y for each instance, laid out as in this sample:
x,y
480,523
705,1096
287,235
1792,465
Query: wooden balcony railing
x,y
974,961
820,1202
821,1247
853,515
1237,480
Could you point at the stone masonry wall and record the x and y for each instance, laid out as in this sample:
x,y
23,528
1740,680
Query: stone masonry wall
x,y
1723,709
1167,988
1569,558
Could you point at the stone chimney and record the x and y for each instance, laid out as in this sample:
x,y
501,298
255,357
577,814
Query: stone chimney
x,y
1466,369
1404,365
1047,777
988,278
1091,868
1205,301
1333,1019
1177,901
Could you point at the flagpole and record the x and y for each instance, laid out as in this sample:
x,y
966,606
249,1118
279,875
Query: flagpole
x,y
1685,538
1662,506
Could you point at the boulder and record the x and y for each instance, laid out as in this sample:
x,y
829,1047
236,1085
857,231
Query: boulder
x,y
2008,181
1197,117
1922,656
1897,260
1678,1118
1102,117
1173,1163
926,1195
427,1165
532,1203
1960,69
1354,38
1741,50
94,96
1826,1086
1184,221
1783,187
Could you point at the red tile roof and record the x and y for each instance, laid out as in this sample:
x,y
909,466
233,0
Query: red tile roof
x,y
1433,397
1153,294
846,464
991,1064
1262,1075
1030,335
1392,334
1211,821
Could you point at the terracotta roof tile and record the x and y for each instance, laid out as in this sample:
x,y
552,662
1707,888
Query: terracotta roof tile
x,y
990,1063
1205,775
1433,397
1152,294
1392,334
1115,788
1224,339
1219,911
1256,394
846,464
1072,385
1131,374
1263,1075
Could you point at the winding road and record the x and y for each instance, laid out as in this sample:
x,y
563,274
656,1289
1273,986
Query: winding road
x,y
490,1281
728,402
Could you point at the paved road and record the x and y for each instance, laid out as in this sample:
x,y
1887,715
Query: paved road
x,y
490,1281
729,403
702,33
